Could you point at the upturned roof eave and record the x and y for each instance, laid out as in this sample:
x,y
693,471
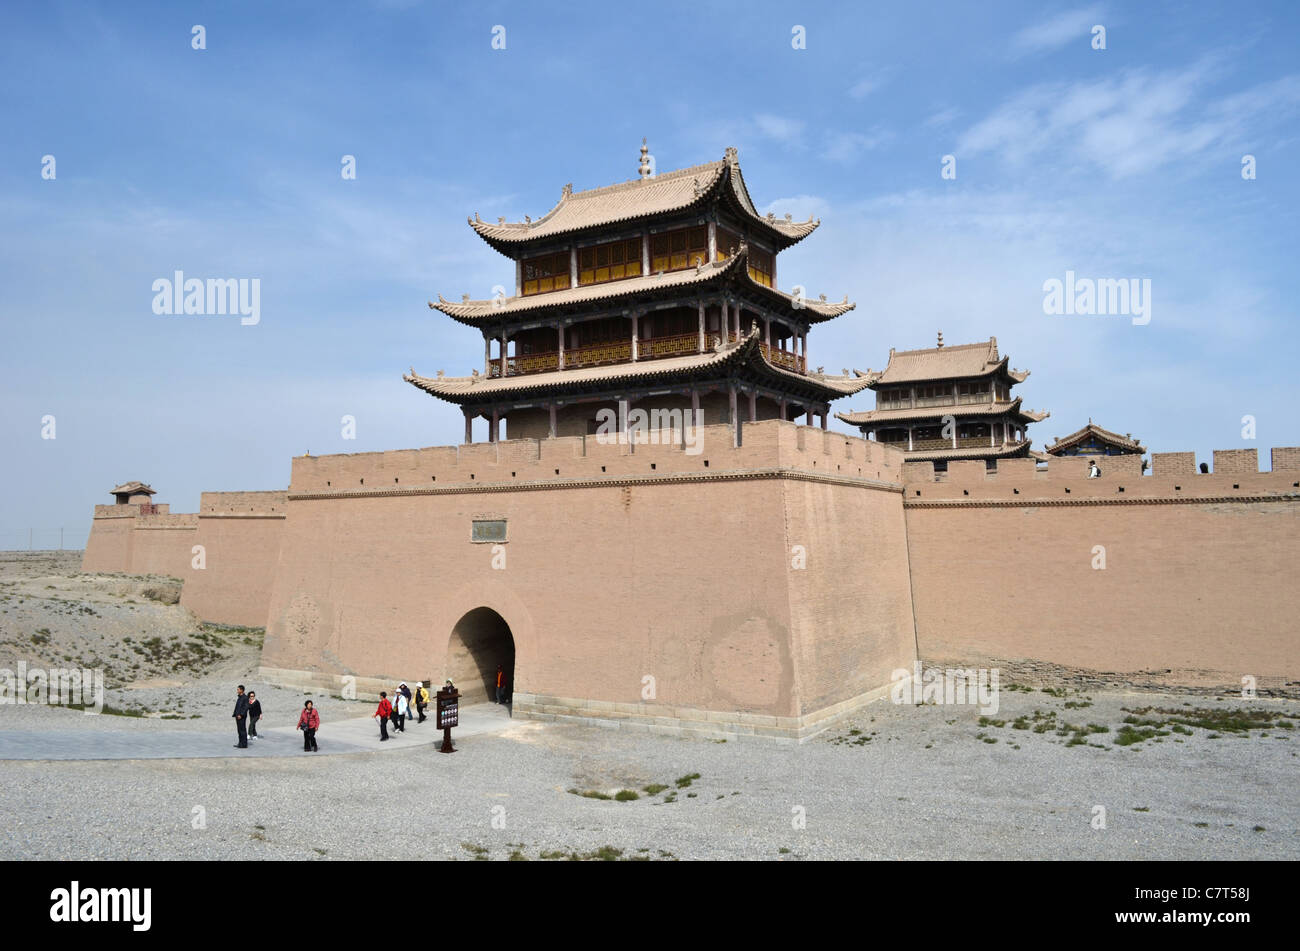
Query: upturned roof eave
x,y
513,238
480,313
745,356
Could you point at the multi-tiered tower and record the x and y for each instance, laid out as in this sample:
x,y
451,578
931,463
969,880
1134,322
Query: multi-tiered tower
x,y
660,292
949,403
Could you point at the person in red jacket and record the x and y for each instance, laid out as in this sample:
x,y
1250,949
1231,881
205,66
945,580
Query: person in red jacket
x,y
501,684
385,710
309,723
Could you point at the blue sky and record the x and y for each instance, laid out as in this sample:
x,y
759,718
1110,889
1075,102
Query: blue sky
x,y
225,162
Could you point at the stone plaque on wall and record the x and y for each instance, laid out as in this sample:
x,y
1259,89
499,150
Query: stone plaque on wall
x,y
488,530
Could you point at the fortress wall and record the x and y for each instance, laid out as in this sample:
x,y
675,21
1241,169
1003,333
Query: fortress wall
x,y
1197,578
108,548
658,566
851,606
240,533
519,461
160,544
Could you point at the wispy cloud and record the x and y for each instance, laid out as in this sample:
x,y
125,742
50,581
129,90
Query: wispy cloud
x,y
1130,123
779,128
868,84
943,117
847,147
1056,32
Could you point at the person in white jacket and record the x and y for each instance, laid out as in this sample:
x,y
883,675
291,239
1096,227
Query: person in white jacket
x,y
402,707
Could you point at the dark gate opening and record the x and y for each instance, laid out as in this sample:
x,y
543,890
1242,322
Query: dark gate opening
x,y
480,641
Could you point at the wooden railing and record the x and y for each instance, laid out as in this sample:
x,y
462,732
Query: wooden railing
x,y
674,346
653,348
783,358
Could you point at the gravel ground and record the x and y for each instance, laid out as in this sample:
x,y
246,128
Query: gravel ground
x,y
926,785
929,782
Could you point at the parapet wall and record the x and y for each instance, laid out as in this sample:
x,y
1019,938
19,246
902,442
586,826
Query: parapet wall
x,y
239,545
1174,571
160,544
765,445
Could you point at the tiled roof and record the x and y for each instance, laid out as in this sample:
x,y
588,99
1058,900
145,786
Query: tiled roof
x,y
1004,451
134,488
465,389
478,312
1127,443
934,412
642,198
947,363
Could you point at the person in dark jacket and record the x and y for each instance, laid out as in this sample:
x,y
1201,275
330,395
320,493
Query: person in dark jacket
x,y
254,713
382,714
309,723
241,718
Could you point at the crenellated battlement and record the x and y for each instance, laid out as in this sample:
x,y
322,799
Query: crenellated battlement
x,y
164,520
131,510
270,504
1173,476
708,450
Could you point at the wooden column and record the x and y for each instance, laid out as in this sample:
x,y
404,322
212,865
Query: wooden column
x,y
505,345
808,419
753,406
487,355
695,407
701,326
519,278
492,432
909,438
825,413
552,420
724,323
645,252
713,241
635,319
784,414
560,359
573,267
767,333
469,426
735,416
803,346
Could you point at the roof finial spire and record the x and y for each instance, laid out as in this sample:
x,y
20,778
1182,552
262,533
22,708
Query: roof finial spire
x,y
941,339
644,168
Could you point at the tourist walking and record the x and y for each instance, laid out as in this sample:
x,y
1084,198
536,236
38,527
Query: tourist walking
x,y
402,709
421,700
241,718
1094,471
309,723
254,713
501,684
383,713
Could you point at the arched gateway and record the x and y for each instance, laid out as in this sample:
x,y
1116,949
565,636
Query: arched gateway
x,y
479,642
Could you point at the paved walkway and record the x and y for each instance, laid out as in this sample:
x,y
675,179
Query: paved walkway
x,y
354,735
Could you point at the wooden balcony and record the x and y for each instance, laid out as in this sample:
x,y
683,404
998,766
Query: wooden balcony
x,y
783,358
653,348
